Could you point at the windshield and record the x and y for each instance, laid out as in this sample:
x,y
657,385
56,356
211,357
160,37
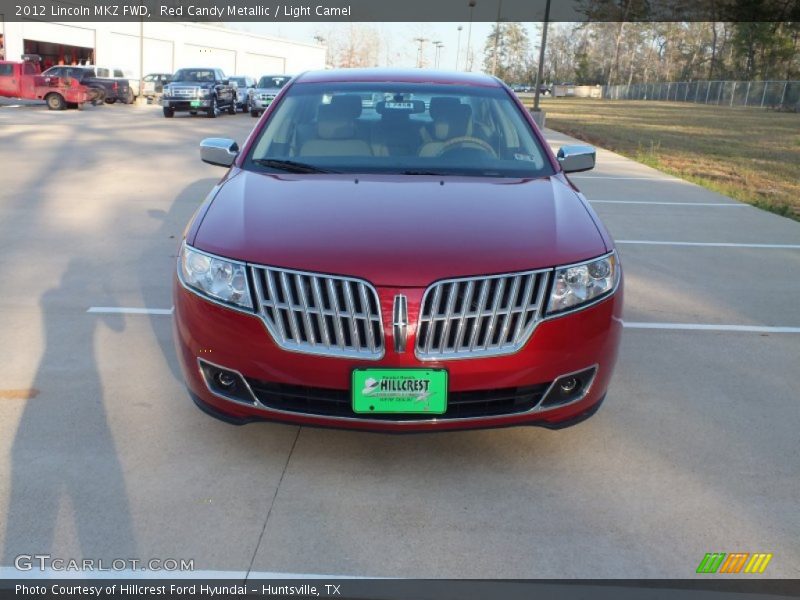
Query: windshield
x,y
197,75
240,81
273,81
409,128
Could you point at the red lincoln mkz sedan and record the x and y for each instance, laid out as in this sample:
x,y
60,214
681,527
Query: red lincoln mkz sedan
x,y
397,251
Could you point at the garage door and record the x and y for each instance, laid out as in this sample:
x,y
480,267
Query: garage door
x,y
257,65
203,56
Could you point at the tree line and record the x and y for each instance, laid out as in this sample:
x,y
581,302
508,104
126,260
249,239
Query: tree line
x,y
640,52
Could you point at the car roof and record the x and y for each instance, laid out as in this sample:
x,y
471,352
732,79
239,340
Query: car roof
x,y
398,76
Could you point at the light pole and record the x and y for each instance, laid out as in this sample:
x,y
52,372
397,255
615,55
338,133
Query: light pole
x,y
439,45
540,72
458,46
496,36
467,62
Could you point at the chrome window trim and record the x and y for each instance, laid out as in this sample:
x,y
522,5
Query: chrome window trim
x,y
436,286
257,404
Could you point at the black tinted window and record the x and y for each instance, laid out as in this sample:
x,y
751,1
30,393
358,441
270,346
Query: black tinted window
x,y
6,70
273,81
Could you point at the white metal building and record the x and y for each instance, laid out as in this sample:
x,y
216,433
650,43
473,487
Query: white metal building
x,y
164,47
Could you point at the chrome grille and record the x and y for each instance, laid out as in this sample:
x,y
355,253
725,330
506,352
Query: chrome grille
x,y
185,92
267,96
479,316
320,314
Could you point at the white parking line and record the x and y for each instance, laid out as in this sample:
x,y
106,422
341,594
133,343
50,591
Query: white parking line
x,y
676,179
129,311
709,244
627,324
709,327
668,203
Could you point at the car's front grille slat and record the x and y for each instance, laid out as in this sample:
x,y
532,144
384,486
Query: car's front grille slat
x,y
320,314
479,316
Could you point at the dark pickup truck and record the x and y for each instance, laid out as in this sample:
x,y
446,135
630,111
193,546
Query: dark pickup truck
x,y
195,90
110,90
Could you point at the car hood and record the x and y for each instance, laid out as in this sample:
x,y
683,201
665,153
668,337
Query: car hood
x,y
398,230
267,90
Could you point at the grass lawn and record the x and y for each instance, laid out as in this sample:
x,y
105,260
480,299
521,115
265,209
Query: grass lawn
x,y
750,154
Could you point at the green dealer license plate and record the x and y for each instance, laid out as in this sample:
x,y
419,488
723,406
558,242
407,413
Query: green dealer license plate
x,y
400,391
194,103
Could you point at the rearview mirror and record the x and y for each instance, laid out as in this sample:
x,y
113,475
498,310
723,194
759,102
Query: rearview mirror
x,y
219,151
574,159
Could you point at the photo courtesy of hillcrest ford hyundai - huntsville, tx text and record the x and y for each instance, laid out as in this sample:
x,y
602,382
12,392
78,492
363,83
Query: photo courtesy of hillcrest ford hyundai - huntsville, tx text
x,y
397,251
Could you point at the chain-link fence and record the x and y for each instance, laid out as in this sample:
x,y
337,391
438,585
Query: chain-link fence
x,y
765,94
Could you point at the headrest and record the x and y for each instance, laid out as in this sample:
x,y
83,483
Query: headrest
x,y
454,123
441,106
349,105
334,122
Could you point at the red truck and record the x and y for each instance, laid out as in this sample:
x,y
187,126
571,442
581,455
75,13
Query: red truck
x,y
24,79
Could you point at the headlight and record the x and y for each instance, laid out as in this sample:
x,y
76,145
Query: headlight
x,y
581,284
214,277
204,92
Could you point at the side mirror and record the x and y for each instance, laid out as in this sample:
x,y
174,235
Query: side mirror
x,y
574,159
219,151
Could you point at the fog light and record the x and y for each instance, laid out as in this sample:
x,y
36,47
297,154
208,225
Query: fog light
x,y
568,384
226,379
227,384
569,388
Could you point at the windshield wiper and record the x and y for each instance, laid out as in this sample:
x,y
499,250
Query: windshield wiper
x,y
290,166
422,172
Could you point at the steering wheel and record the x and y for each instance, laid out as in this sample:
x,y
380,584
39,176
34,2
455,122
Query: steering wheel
x,y
467,140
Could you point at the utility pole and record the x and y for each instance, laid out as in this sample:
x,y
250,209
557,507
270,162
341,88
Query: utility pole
x,y
420,41
540,72
458,46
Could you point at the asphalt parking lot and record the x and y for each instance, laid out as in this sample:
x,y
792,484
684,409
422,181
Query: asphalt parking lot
x,y
103,454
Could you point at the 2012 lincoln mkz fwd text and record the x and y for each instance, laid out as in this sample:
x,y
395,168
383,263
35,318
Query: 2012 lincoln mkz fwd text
x,y
397,251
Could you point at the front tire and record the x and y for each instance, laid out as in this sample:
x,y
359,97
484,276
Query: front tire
x,y
169,112
129,98
253,112
55,101
212,109
232,108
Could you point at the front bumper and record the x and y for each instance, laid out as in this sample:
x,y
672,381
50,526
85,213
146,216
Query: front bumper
x,y
183,104
210,334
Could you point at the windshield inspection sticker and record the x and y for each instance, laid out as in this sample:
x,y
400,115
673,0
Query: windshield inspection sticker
x,y
527,157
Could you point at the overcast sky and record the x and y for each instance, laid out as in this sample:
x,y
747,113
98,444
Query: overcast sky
x,y
399,38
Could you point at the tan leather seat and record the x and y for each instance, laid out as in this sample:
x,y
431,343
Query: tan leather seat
x,y
336,133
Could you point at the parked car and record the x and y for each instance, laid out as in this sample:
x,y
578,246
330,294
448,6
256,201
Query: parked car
x,y
153,84
243,85
199,89
133,83
264,93
109,90
24,79
407,267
